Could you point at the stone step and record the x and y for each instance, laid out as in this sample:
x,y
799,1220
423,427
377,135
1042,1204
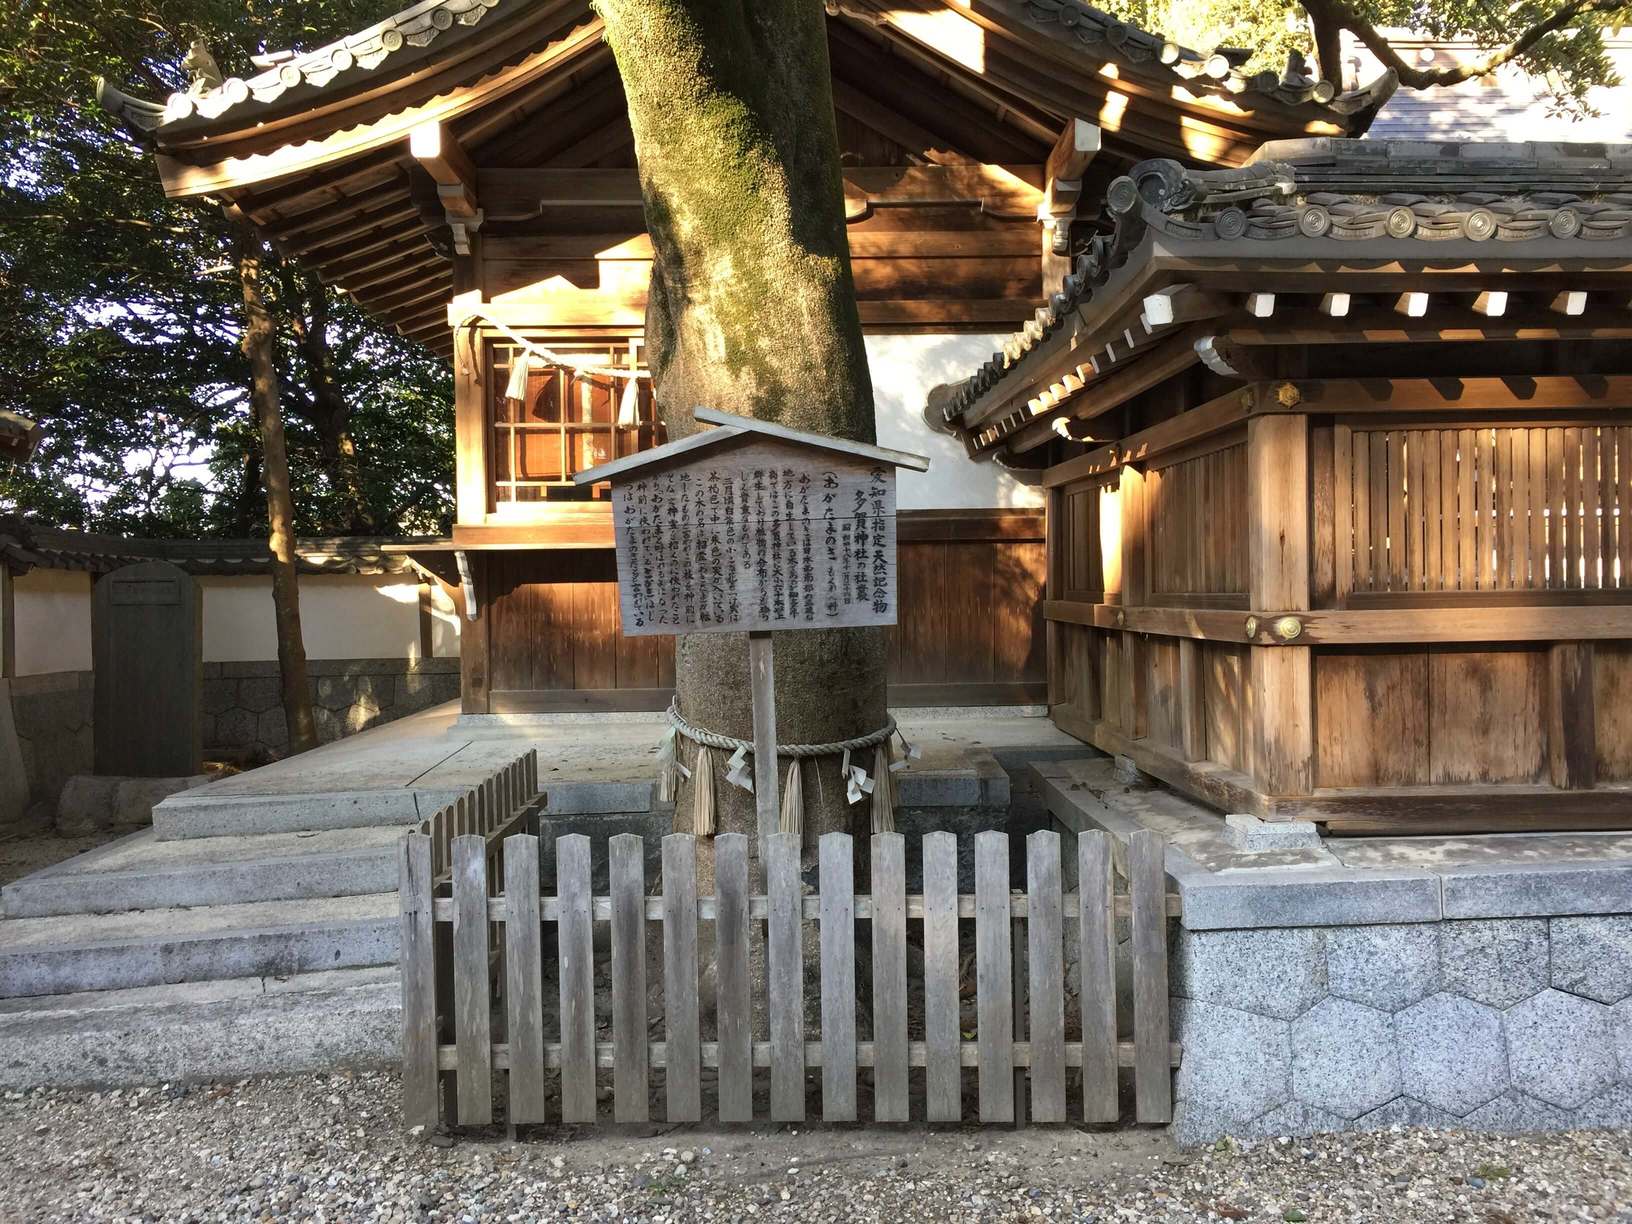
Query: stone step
x,y
202,1030
200,813
63,954
141,872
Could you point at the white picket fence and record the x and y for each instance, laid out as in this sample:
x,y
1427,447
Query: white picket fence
x,y
476,958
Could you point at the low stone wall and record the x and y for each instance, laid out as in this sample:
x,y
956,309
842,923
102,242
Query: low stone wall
x,y
243,707
1495,1024
53,714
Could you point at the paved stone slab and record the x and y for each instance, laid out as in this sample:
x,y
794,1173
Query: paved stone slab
x,y
1390,966
1593,956
1514,1112
201,1031
1236,1067
1276,973
1515,890
1498,961
1316,896
1251,834
1560,1048
1404,1111
1610,1108
1343,1058
1452,1055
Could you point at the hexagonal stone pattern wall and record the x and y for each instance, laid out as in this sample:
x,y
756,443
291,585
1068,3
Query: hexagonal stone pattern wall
x,y
1592,957
1390,966
1343,1058
1497,961
1560,1048
1500,1025
1451,1053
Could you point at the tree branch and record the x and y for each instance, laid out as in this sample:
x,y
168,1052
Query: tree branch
x,y
1338,14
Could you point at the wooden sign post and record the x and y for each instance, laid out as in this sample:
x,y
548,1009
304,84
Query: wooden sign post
x,y
753,527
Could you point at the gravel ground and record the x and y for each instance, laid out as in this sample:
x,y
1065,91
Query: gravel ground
x,y
330,1147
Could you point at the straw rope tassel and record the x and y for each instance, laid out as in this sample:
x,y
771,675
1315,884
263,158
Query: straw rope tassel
x,y
883,791
793,801
702,814
629,404
520,367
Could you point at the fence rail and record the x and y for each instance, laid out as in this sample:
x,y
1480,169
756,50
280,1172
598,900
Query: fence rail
x,y
483,1012
498,806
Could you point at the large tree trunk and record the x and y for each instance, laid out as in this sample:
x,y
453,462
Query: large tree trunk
x,y
752,311
259,337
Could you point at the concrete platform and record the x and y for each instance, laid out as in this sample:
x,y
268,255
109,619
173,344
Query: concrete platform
x,y
400,773
202,1030
81,952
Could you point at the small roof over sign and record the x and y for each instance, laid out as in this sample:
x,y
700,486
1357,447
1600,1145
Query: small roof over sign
x,y
730,427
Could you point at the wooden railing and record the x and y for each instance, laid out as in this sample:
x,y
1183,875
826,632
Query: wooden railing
x,y
499,983
502,803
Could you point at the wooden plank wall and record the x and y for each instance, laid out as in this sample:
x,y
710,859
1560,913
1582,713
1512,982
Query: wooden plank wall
x,y
1382,624
970,630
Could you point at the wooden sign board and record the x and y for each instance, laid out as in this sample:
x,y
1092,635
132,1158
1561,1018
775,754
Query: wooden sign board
x,y
761,534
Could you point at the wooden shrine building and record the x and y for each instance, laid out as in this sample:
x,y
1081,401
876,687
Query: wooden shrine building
x,y
465,170
1338,455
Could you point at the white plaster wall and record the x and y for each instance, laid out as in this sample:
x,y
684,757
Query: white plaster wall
x,y
905,368
53,621
341,617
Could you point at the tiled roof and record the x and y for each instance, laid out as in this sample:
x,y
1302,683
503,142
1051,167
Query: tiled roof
x,y
1344,191
25,545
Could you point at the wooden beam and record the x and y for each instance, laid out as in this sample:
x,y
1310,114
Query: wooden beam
x,y
1492,303
1184,304
1336,305
1571,302
1572,726
1260,305
435,147
1412,305
1068,160
1514,393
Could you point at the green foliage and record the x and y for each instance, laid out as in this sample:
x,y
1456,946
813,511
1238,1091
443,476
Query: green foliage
x,y
1566,64
123,308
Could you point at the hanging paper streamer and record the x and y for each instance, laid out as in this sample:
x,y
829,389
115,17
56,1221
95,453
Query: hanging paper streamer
x,y
908,754
669,768
520,367
857,785
629,405
883,791
793,801
738,773
702,811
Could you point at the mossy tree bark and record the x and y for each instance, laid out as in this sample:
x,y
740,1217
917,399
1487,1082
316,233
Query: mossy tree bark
x,y
752,311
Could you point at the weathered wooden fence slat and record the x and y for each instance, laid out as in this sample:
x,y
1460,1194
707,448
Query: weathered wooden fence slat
x,y
1096,883
627,872
1045,971
734,1004
838,947
1153,1085
575,952
419,1072
473,1024
785,966
889,977
524,980
683,1076
994,969
943,1053
464,936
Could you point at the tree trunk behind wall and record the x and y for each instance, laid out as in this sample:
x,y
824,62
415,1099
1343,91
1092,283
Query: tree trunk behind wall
x,y
752,311
264,395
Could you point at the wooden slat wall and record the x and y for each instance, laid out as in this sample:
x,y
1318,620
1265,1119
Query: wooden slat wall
x,y
1197,514
1487,509
971,621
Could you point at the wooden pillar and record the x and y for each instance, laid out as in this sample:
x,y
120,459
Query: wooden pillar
x,y
475,681
469,397
1278,519
1053,506
1135,657
1572,724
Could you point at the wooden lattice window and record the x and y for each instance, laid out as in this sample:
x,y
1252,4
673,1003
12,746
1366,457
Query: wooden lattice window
x,y
571,420
1484,509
